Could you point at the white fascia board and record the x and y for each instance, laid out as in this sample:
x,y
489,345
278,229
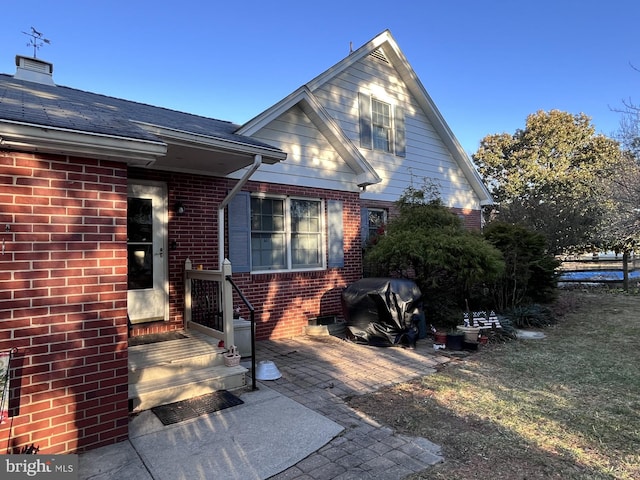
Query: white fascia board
x,y
365,173
195,140
38,138
273,112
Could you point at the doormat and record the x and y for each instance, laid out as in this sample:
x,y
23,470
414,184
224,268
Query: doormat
x,y
194,407
155,338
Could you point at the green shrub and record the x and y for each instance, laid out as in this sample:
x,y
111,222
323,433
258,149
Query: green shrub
x,y
530,274
506,333
530,316
428,244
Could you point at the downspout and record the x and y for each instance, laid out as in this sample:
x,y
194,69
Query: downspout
x,y
257,161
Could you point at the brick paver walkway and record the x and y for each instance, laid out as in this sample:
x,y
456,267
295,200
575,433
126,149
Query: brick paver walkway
x,y
320,372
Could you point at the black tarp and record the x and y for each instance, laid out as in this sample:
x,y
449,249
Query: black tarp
x,y
382,311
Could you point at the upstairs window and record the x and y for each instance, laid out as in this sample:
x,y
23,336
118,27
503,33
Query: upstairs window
x,y
382,126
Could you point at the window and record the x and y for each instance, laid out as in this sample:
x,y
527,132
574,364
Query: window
x,y
286,233
306,234
377,221
268,235
271,233
382,126
372,224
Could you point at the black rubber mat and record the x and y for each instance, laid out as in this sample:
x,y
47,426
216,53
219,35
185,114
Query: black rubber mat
x,y
194,407
155,338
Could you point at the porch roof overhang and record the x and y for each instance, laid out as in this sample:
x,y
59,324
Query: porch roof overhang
x,y
174,150
62,141
189,152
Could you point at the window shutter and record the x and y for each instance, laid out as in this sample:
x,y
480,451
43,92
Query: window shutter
x,y
401,147
336,234
364,104
364,225
239,212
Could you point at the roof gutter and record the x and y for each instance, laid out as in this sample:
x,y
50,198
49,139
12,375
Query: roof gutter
x,y
257,161
190,139
38,138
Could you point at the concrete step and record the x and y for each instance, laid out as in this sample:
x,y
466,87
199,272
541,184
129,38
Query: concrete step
x,y
157,360
149,393
173,370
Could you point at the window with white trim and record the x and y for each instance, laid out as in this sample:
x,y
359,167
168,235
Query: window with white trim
x,y
286,233
382,125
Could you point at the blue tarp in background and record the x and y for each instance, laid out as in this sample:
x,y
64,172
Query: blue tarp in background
x,y
597,276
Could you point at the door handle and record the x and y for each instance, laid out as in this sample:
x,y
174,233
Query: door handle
x,y
161,253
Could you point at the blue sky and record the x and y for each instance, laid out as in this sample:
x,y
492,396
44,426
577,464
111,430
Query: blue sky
x,y
486,64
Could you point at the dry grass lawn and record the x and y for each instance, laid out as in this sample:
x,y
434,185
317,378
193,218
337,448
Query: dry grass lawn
x,y
565,407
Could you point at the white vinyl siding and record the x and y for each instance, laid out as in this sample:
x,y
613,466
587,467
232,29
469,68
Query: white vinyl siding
x,y
311,159
426,154
314,162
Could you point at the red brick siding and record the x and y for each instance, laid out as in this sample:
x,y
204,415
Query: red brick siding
x,y
472,219
283,302
63,294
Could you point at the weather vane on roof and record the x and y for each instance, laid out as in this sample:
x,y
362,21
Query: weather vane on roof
x,y
36,41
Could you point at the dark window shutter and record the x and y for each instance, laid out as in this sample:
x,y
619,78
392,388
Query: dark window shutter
x,y
336,234
239,212
364,104
364,225
401,143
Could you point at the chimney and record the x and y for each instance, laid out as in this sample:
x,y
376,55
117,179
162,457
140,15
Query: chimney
x,y
34,70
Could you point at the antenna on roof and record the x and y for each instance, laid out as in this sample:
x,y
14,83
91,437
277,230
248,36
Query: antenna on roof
x,y
36,41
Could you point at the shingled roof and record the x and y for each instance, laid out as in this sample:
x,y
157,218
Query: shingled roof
x,y
38,104
68,108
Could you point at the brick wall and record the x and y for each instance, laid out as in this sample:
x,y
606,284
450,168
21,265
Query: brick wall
x,y
63,294
283,301
472,219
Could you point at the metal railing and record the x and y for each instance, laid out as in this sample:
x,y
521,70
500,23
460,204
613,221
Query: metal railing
x,y
252,318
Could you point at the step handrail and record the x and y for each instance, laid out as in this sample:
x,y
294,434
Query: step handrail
x,y
247,303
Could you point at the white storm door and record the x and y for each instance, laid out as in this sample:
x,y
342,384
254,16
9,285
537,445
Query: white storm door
x,y
148,288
